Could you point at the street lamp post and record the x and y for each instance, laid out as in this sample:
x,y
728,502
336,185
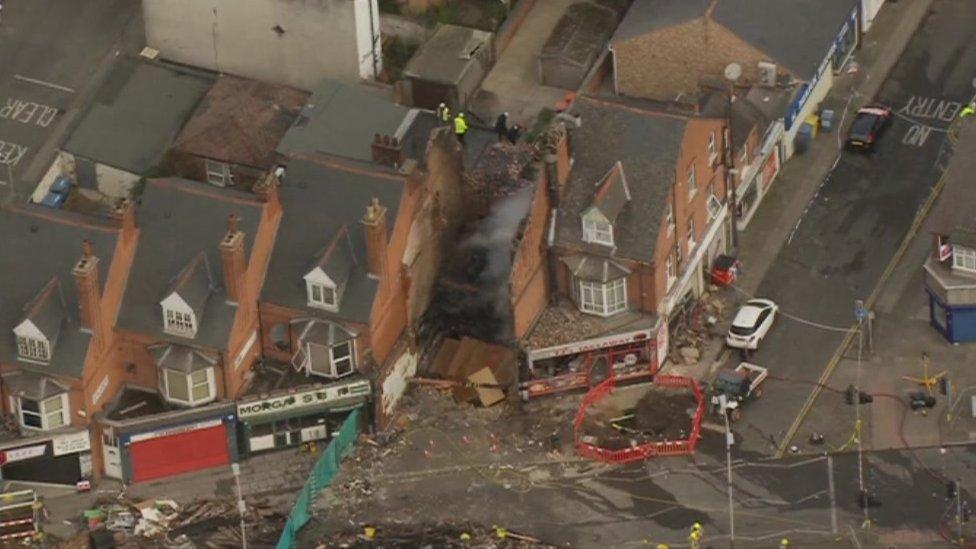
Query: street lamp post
x,y
732,73
241,506
729,441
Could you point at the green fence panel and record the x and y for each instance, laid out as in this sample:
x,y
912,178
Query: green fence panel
x,y
321,476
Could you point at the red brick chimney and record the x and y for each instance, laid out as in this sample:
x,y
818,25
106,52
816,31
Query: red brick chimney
x,y
89,291
232,260
387,151
124,215
374,223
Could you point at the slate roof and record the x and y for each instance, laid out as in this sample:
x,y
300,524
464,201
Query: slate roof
x,y
338,258
319,198
647,145
341,120
745,116
46,310
178,221
795,33
194,284
594,268
613,193
38,245
31,385
136,113
241,121
325,333
181,358
448,55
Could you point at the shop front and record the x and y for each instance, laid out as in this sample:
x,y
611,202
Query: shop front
x,y
759,176
297,416
627,355
58,459
173,443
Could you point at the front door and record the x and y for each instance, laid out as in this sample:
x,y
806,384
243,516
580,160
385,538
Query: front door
x,y
111,454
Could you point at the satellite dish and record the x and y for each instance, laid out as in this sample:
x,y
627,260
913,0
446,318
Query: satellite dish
x,y
733,71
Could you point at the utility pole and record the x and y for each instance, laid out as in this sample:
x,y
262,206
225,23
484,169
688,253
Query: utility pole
x,y
860,314
729,441
241,506
962,542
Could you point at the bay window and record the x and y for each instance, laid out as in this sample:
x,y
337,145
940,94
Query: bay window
x,y
964,258
602,299
189,388
49,413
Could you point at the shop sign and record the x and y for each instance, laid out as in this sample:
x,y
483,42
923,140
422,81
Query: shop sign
x,y
71,443
578,347
20,454
176,430
296,401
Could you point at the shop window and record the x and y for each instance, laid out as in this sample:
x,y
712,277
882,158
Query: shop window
x,y
964,259
597,232
602,299
190,389
49,413
32,348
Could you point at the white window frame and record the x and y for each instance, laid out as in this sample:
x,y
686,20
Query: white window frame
x,y
612,296
218,173
178,322
671,272
712,149
209,381
597,232
964,259
691,234
714,206
692,181
320,300
349,359
34,349
52,419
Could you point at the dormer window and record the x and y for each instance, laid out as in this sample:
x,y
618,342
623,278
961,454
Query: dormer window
x,y
31,348
322,295
178,317
597,231
964,258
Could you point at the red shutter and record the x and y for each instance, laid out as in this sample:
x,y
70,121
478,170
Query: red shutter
x,y
181,453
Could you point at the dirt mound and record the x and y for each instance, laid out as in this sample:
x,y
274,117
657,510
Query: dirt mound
x,y
659,412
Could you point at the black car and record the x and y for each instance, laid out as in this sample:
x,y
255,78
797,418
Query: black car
x,y
867,126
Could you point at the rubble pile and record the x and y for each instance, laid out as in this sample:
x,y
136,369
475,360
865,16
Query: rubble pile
x,y
500,171
695,328
164,523
439,535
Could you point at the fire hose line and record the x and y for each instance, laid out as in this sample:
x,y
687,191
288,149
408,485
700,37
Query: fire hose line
x,y
801,320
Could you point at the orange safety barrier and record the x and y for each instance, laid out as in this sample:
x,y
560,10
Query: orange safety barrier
x,y
649,449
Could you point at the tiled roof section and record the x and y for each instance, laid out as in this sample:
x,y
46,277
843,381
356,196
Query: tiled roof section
x,y
136,113
182,358
594,268
241,121
646,16
319,198
39,244
31,385
178,221
612,194
647,145
47,311
341,120
337,259
194,284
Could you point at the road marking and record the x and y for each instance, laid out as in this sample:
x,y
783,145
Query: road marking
x,y
11,153
28,112
43,83
916,135
931,108
869,303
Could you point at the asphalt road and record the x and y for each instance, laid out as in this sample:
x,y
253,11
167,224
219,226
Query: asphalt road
x,y
51,53
859,217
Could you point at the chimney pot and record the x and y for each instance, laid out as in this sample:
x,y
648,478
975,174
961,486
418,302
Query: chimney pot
x,y
374,223
89,292
232,260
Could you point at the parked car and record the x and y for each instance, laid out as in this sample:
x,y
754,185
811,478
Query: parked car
x,y
57,195
867,127
751,324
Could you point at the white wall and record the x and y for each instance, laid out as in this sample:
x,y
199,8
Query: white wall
x,y
816,97
869,10
368,27
113,182
320,37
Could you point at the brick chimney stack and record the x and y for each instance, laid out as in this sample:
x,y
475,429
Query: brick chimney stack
x,y
85,273
387,151
374,223
124,215
232,260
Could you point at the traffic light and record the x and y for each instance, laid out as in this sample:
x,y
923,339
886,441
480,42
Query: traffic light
x,y
951,489
944,385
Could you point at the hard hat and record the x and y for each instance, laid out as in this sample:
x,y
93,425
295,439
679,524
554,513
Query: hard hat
x,y
441,105
696,525
461,115
784,542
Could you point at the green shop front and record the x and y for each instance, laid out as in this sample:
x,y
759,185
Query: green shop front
x,y
295,416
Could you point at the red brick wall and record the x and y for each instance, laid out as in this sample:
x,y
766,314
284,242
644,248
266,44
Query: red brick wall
x,y
527,281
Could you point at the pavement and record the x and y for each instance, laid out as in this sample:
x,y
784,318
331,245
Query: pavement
x,y
853,215
52,54
514,84
272,477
